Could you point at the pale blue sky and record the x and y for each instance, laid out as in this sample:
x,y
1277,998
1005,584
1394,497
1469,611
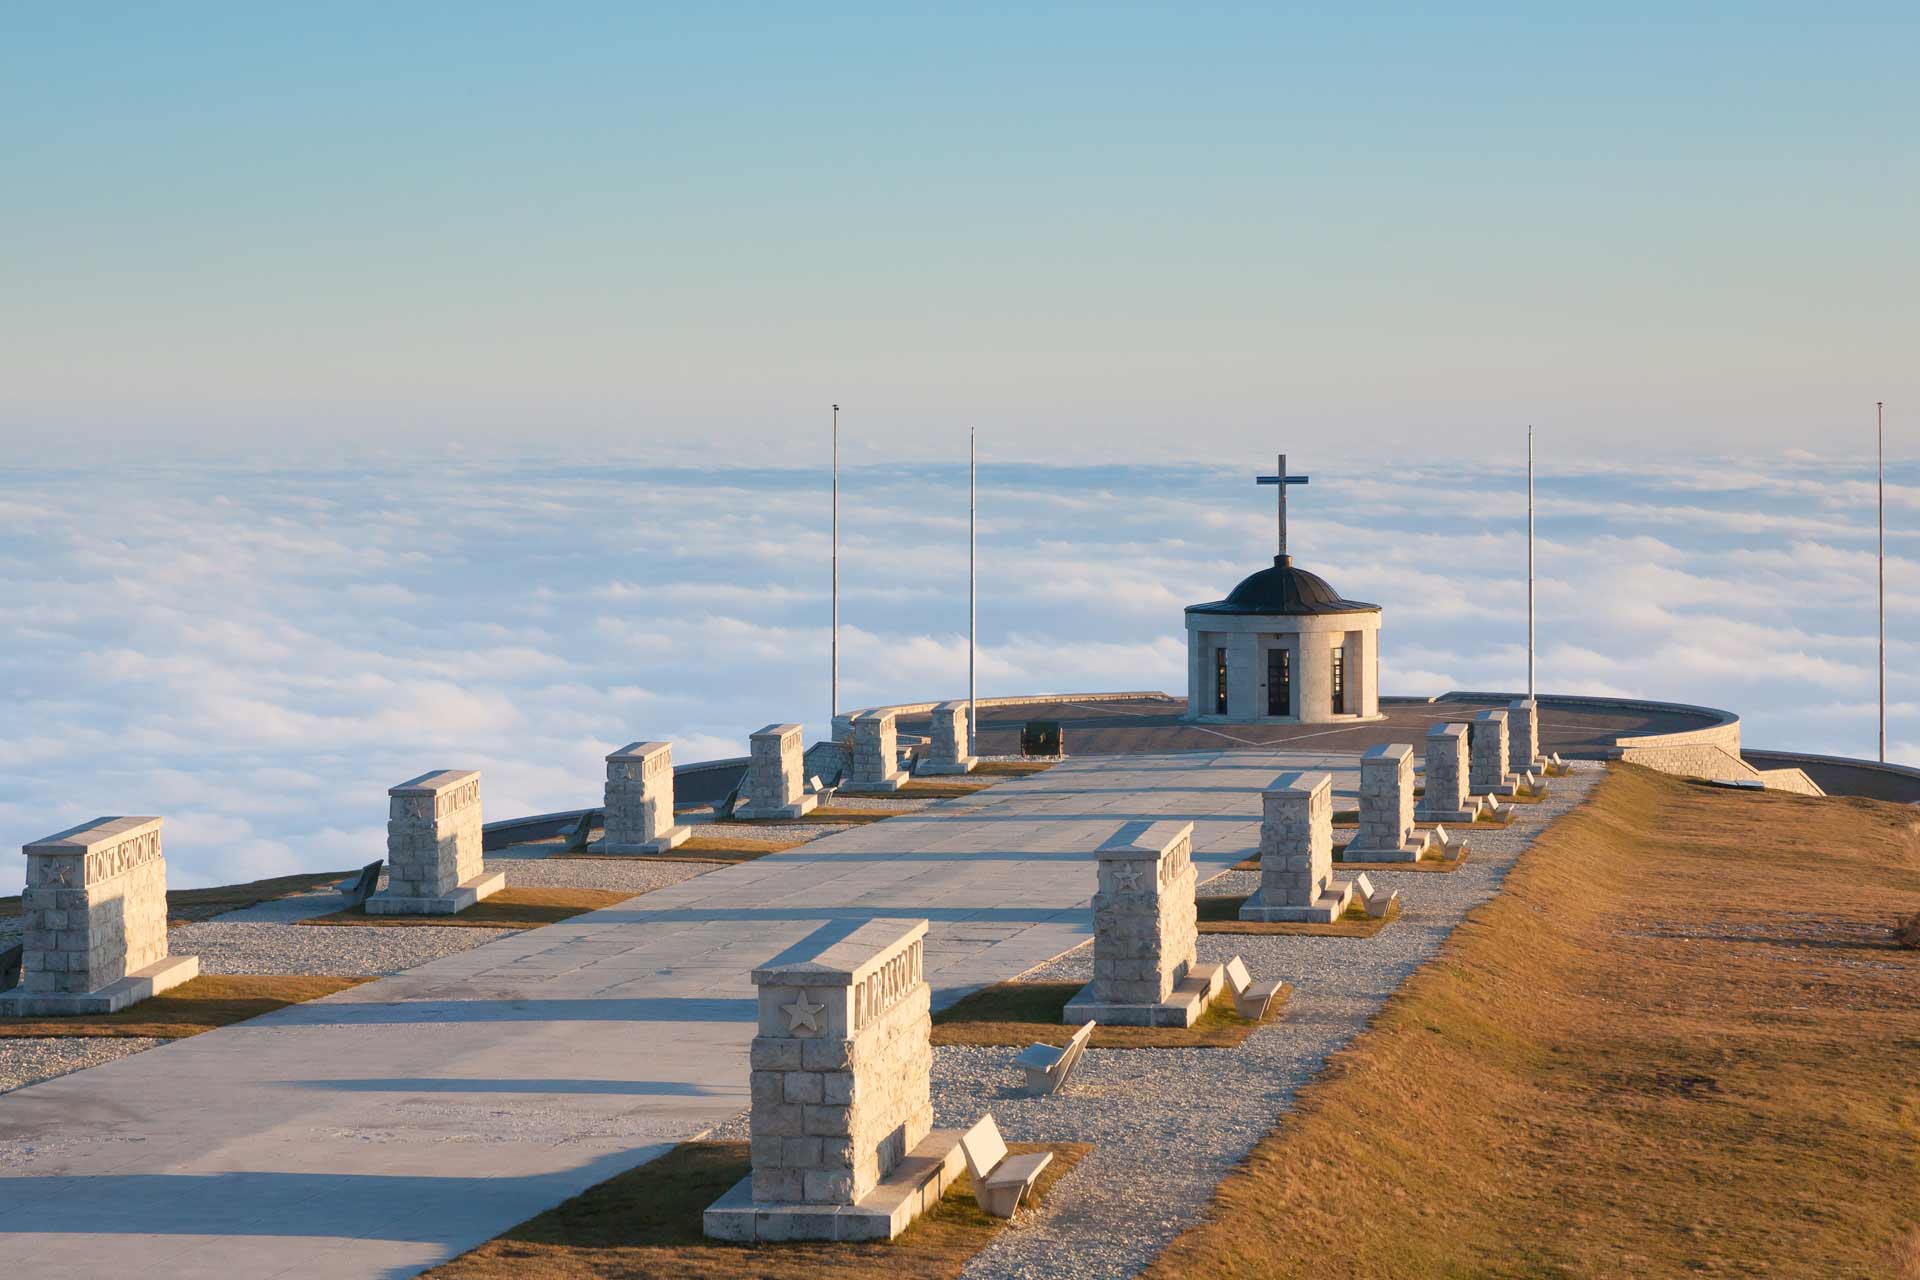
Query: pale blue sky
x,y
1119,230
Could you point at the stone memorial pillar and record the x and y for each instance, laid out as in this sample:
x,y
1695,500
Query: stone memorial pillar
x,y
1487,748
876,754
1144,926
434,862
842,1122
1447,797
96,922
1386,807
775,785
1296,853
640,801
1523,736
947,752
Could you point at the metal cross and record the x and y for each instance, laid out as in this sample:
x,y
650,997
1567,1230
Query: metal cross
x,y
1282,480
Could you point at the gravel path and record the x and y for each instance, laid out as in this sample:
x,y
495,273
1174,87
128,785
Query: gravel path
x,y
24,1062
1168,1124
258,947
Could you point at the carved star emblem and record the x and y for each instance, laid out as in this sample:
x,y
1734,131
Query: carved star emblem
x,y
800,1011
1129,879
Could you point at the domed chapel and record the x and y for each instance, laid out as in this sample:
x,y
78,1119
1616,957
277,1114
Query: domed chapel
x,y
1284,646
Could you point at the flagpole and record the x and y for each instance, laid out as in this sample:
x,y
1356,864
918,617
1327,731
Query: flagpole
x,y
1880,450
1529,560
973,597
833,695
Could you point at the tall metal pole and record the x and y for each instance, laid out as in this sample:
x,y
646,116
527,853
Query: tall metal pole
x,y
1880,451
973,599
833,696
1530,560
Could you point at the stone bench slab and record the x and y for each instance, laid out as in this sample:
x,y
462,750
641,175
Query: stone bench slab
x,y
450,904
913,1186
160,976
1330,907
1190,998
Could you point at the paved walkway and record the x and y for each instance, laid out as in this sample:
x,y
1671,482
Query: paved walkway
x,y
385,1129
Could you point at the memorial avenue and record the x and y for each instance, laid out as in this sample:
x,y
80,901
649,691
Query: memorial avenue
x,y
875,642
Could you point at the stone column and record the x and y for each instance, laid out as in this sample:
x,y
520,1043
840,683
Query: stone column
x,y
947,750
1296,853
775,786
1244,699
1523,736
842,1119
96,922
1487,746
435,866
1386,807
1446,799
876,754
1144,927
640,801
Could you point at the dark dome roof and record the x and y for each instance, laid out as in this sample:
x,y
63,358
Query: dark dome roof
x,y
1284,590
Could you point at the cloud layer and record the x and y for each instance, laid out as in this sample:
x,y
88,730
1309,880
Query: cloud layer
x,y
258,654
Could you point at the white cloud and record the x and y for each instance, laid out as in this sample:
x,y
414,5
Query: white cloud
x,y
259,654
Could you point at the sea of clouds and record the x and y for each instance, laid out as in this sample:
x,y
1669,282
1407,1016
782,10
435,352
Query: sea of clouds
x,y
258,653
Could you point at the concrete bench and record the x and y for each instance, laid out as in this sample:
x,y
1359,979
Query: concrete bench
x,y
363,885
1252,999
1047,1068
1000,1181
11,960
1377,901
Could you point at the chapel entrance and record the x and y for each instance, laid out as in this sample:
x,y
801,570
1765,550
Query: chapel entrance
x,y
1279,682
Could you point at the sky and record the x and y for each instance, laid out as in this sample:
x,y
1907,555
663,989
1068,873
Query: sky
x,y
257,653
1116,233
392,387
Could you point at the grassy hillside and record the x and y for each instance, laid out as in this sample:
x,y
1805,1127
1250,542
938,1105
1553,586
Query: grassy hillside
x,y
1681,1042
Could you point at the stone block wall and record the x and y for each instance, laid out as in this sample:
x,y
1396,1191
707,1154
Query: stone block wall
x,y
95,906
1144,920
1296,839
947,748
841,1065
639,795
1386,796
433,834
774,778
1447,773
1487,748
876,750
1523,735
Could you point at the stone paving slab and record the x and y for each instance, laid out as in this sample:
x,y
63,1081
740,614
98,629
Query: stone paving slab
x,y
382,1130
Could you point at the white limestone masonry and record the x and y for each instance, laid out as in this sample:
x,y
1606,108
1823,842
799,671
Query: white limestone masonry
x,y
1144,928
434,863
876,753
1523,736
95,909
1448,797
947,743
775,786
1296,853
1487,752
842,1114
639,801
1386,831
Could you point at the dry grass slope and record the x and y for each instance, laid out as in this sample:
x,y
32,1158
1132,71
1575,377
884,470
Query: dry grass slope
x,y
1682,1041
